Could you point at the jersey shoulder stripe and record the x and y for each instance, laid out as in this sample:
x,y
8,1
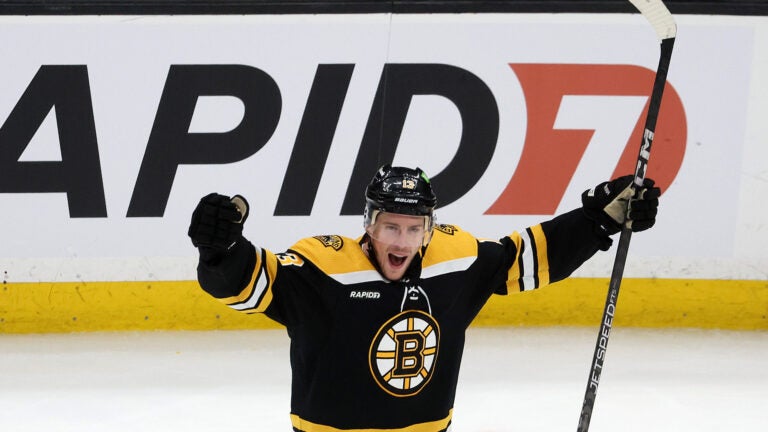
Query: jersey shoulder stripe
x,y
451,249
341,258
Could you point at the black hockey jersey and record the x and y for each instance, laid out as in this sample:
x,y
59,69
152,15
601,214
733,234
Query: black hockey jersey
x,y
371,354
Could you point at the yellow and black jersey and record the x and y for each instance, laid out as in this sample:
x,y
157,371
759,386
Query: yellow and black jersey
x,y
370,354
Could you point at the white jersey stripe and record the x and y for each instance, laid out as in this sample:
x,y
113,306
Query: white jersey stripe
x,y
441,268
438,269
258,290
527,279
357,277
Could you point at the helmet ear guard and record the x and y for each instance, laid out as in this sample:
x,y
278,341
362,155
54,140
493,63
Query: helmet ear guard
x,y
429,226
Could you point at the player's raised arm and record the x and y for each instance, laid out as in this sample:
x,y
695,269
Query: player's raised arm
x,y
573,237
227,259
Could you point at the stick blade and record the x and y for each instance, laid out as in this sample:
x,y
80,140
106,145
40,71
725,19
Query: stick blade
x,y
659,16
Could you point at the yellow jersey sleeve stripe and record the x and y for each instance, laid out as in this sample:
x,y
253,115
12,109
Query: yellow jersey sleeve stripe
x,y
306,426
270,265
513,275
257,296
540,241
531,266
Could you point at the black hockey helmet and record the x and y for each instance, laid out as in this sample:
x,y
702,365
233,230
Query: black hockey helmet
x,y
399,190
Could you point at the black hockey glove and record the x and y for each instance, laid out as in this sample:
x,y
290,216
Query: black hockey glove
x,y
606,204
217,225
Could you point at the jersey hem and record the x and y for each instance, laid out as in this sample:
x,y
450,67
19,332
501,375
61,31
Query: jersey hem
x,y
301,425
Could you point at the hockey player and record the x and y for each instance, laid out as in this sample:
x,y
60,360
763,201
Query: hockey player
x,y
377,322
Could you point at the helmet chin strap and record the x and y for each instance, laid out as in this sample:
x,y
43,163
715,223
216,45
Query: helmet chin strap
x,y
370,252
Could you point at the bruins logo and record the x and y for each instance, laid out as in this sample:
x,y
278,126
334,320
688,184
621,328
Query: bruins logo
x,y
448,229
404,353
333,241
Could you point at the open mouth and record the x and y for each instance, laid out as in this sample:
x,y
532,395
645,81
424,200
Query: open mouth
x,y
396,261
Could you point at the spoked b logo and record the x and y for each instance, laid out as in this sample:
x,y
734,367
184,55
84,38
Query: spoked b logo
x,y
404,353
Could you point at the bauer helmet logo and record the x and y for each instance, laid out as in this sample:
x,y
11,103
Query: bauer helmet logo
x,y
404,353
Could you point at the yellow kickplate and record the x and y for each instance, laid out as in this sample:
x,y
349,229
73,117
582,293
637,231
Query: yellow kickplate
x,y
182,305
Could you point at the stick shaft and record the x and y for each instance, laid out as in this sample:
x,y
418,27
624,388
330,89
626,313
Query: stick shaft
x,y
609,311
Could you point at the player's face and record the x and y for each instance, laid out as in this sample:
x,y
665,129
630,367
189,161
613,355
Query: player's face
x,y
396,239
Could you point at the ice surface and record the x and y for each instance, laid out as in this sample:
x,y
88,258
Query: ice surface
x,y
512,379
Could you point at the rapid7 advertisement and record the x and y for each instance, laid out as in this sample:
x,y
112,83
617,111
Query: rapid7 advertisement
x,y
114,127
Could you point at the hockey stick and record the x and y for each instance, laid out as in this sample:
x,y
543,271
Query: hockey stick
x,y
659,17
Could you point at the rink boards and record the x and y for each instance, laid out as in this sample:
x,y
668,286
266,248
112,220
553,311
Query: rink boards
x,y
658,303
113,127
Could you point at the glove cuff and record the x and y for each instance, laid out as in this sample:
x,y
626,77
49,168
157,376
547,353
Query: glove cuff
x,y
213,255
603,224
